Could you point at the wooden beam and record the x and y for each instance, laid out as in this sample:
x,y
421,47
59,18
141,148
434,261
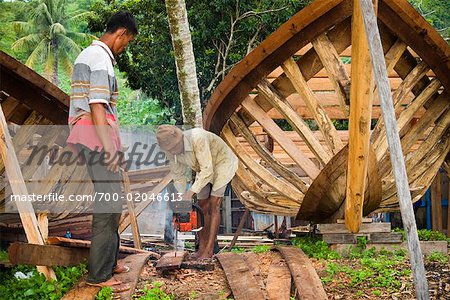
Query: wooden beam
x,y
279,281
46,255
282,186
335,69
125,222
361,96
239,228
294,74
284,172
266,90
436,205
278,135
131,212
18,187
171,260
398,163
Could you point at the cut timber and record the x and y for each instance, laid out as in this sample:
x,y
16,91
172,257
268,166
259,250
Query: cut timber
x,y
131,212
171,260
361,96
306,280
365,228
251,259
297,79
25,208
436,205
279,281
239,228
239,277
87,244
46,255
82,291
335,69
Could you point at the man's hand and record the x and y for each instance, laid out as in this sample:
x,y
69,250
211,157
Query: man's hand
x,y
187,195
113,160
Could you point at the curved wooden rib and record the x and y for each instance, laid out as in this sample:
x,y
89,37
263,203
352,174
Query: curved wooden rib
x,y
293,87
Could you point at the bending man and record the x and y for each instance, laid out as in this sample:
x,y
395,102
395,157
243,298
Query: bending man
x,y
214,164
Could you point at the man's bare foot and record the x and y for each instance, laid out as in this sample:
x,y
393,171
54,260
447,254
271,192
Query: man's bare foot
x,y
120,268
203,256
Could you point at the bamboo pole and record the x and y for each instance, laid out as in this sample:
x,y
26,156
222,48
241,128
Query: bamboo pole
x,y
396,154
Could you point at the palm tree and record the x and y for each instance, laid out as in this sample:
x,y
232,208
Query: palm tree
x,y
185,62
48,38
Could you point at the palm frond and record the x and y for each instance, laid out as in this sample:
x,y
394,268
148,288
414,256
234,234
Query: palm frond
x,y
21,28
66,64
49,62
27,43
68,45
79,37
38,54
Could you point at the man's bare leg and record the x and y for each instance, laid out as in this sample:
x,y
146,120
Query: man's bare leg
x,y
204,233
214,213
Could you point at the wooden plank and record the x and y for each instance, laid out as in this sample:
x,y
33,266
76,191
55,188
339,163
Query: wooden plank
x,y
306,280
335,69
436,205
239,277
82,291
87,244
171,260
251,259
294,74
125,222
279,281
361,95
239,228
46,255
266,90
396,154
268,157
136,263
17,183
131,212
277,134
365,228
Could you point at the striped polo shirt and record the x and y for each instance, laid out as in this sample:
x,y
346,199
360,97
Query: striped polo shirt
x,y
93,81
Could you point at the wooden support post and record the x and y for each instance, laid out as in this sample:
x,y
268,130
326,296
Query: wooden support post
x,y
18,187
239,229
436,205
396,154
361,99
131,211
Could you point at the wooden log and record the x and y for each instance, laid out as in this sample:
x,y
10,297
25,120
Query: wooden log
x,y
398,164
365,228
239,277
279,281
17,183
297,79
335,69
46,255
131,212
277,134
361,95
82,291
171,260
306,280
266,90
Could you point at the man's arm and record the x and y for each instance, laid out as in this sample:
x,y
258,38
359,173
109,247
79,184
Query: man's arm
x,y
203,155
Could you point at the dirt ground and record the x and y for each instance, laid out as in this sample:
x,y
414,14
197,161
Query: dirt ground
x,y
197,284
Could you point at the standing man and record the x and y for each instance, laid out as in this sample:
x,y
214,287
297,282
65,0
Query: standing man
x,y
215,165
95,134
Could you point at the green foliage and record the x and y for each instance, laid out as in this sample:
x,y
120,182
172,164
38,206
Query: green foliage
x,y
150,64
436,12
154,292
237,250
261,249
426,235
37,287
314,247
105,293
438,257
3,255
